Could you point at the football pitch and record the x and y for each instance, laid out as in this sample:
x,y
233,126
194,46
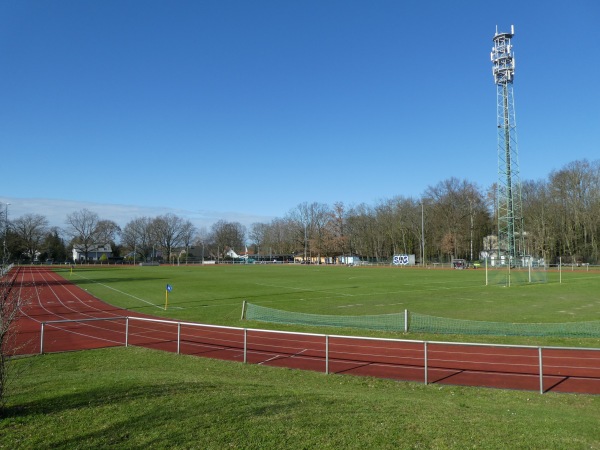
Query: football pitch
x,y
214,294
135,397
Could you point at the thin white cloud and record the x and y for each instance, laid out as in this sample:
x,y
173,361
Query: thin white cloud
x,y
56,211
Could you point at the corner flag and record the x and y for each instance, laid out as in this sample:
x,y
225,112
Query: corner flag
x,y
169,289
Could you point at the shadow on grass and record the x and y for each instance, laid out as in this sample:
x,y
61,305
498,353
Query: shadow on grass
x,y
149,415
101,397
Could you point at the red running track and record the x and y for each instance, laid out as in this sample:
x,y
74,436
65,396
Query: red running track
x,y
51,298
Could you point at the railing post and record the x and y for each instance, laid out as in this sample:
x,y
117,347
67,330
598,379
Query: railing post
x,y
326,354
425,362
406,320
127,331
243,310
245,345
178,337
541,370
42,339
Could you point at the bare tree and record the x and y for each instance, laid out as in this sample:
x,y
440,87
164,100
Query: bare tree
x,y
31,230
228,235
320,216
258,235
458,209
82,226
106,232
537,209
136,236
10,309
280,237
300,218
575,199
5,223
361,227
398,221
337,230
310,220
170,231
188,236
87,231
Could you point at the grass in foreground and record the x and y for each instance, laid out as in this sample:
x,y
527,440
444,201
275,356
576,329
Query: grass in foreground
x,y
138,398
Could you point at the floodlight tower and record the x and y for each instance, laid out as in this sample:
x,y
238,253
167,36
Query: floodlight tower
x,y
510,209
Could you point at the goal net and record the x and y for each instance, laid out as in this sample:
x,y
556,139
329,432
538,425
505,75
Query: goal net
x,y
520,271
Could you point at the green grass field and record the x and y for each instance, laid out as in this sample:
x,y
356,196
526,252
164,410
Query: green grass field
x,y
214,294
138,398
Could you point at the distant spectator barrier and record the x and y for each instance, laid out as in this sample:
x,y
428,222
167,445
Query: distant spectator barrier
x,y
422,323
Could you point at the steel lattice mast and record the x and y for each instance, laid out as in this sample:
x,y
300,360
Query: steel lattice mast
x,y
510,209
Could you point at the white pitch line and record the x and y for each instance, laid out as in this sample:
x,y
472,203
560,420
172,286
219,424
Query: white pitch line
x,y
120,292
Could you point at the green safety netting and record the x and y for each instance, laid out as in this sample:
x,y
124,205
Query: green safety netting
x,y
422,323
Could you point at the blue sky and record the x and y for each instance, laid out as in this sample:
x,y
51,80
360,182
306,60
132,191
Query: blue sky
x,y
242,110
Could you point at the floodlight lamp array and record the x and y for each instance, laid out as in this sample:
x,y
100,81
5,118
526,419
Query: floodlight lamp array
x,y
503,58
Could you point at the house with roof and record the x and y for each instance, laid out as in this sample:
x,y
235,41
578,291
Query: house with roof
x,y
94,253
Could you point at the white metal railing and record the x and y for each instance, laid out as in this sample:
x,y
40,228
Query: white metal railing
x,y
326,340
65,321
5,270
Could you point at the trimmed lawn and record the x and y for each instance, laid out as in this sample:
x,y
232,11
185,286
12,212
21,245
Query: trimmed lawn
x,y
138,398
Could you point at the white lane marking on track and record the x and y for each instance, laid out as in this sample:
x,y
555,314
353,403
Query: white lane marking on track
x,y
37,293
282,356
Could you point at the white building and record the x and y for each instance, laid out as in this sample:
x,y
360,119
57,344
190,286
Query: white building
x,y
95,252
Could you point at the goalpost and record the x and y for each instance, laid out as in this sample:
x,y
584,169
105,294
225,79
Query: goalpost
x,y
515,271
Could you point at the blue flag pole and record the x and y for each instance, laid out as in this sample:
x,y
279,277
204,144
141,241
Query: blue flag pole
x,y
169,289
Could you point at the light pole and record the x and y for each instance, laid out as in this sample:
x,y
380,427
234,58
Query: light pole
x,y
471,216
5,254
422,234
305,225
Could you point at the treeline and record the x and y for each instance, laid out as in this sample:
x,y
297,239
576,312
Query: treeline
x,y
452,219
562,213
